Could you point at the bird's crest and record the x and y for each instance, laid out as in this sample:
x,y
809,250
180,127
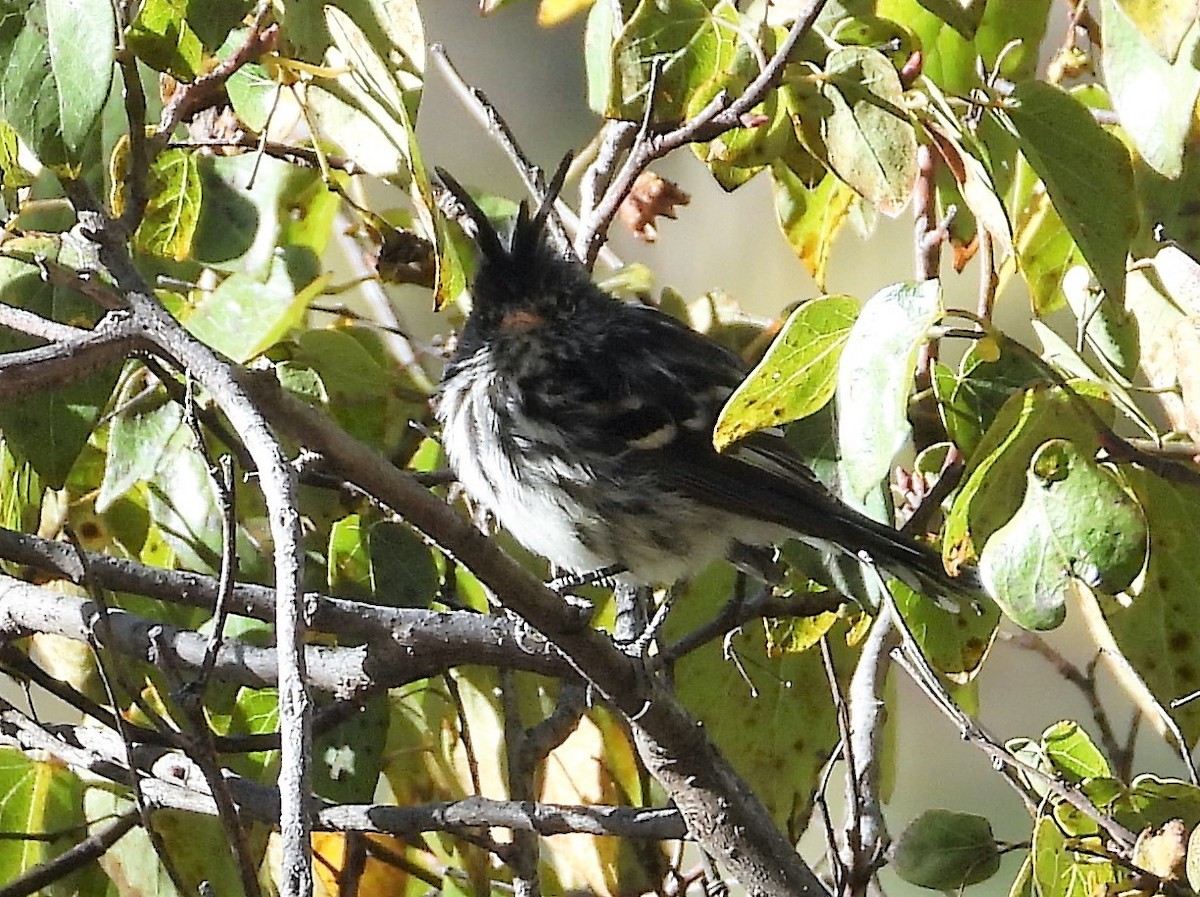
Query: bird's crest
x,y
528,233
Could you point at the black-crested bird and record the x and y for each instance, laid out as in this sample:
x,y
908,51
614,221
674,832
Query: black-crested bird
x,y
584,425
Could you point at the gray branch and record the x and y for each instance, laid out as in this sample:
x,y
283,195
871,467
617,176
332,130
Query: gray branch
x,y
722,813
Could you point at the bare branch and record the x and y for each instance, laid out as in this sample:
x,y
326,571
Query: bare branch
x,y
722,812
56,364
277,480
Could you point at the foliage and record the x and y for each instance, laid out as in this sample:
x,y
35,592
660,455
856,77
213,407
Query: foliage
x,y
221,490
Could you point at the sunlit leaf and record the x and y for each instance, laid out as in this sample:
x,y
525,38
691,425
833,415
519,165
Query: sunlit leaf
x,y
1058,871
1072,753
37,797
1163,23
875,379
58,66
797,375
946,851
690,42
994,482
811,217
1153,97
870,143
1076,522
82,42
174,207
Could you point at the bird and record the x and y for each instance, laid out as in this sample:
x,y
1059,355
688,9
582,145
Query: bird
x,y
583,424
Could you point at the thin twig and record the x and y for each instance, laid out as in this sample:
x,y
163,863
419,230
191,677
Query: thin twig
x,y
866,830
497,128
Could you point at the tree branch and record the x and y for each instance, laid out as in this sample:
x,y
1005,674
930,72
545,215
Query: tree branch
x,y
722,812
721,115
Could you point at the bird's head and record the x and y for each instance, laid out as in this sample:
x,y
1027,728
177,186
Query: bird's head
x,y
524,282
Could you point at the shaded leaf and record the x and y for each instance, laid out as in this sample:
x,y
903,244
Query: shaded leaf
x,y
946,851
969,400
1157,631
1087,172
870,143
784,711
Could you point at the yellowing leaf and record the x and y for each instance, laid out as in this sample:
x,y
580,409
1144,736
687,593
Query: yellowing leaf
x,y
798,374
811,217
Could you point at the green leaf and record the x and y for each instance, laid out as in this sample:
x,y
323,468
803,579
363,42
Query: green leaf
x,y
348,565
1162,23
33,102
811,217
252,93
955,642
1087,172
403,571
783,710
1157,632
348,758
870,143
994,481
797,375
1059,871
361,395
1045,249
181,498
1076,522
693,42
49,429
20,492
1108,328
1153,97
875,378
138,437
1072,754
198,846
162,37
987,377
243,316
1152,801
957,43
174,207
366,109
81,36
37,797
946,851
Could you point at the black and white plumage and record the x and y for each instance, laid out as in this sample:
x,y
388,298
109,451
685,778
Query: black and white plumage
x,y
584,425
